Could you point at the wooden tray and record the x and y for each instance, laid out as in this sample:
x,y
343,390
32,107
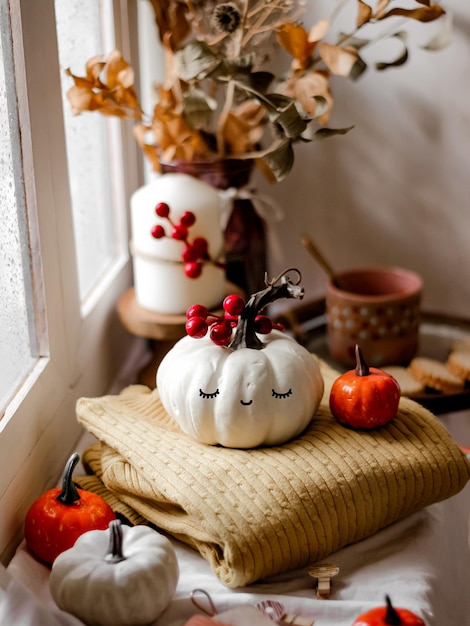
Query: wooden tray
x,y
307,323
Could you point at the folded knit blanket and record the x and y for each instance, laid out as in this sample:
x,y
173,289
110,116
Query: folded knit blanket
x,y
255,513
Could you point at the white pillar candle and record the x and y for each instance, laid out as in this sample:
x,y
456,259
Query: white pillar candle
x,y
159,279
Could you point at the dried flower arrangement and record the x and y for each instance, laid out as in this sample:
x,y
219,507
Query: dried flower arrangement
x,y
218,100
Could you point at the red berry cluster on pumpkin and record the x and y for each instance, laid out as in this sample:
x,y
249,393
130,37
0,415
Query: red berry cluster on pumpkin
x,y
200,321
195,253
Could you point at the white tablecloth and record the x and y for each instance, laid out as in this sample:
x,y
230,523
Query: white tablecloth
x,y
421,562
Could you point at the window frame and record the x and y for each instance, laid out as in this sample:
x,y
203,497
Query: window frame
x,y
86,346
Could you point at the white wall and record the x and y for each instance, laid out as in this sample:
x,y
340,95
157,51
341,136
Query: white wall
x,y
396,189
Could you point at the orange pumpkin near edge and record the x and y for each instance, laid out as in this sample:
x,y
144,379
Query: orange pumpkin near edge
x,y
365,397
59,516
388,616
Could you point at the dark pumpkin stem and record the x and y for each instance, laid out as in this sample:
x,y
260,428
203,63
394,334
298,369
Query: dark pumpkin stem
x,y
391,616
114,553
362,369
69,493
280,287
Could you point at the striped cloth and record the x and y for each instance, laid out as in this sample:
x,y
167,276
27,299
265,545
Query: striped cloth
x,y
255,513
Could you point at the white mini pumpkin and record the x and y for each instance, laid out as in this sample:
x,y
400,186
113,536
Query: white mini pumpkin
x,y
241,396
122,576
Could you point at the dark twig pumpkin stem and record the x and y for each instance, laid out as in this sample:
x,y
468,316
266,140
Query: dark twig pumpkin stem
x,y
69,493
115,553
362,369
391,616
280,287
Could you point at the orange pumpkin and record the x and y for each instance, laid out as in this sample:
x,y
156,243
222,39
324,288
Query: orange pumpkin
x,y
60,515
365,397
388,616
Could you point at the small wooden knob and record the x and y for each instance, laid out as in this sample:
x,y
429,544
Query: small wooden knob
x,y
323,572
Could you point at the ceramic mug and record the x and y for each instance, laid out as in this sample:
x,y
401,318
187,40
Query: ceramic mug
x,y
377,308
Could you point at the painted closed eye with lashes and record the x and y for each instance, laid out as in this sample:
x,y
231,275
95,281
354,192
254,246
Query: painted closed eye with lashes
x,y
203,394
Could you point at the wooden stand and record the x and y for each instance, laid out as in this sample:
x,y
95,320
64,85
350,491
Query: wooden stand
x,y
161,330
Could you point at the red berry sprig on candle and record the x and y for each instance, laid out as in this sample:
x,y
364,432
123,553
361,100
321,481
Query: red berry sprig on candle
x,y
200,321
194,253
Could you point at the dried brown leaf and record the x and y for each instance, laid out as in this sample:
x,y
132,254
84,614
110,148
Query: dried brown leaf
x,y
149,150
168,100
401,59
81,99
381,8
319,30
160,9
171,129
172,22
181,152
78,80
94,67
240,137
364,13
114,65
180,27
342,61
114,94
126,77
325,133
251,112
244,127
171,139
295,40
108,106
426,14
306,88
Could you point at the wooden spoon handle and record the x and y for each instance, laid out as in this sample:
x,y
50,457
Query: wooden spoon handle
x,y
318,256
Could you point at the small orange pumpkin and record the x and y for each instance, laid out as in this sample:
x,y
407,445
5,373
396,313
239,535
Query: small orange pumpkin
x,y
59,516
388,616
365,397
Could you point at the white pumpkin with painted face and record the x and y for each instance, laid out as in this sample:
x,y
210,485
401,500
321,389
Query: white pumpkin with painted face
x,y
240,398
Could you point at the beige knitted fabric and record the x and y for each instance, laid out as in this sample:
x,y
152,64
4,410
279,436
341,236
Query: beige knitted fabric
x,y
255,513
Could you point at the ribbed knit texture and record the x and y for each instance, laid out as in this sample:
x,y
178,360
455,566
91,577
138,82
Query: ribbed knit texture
x,y
255,513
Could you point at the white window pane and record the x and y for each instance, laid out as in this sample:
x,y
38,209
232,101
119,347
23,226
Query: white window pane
x,y
79,31
16,354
